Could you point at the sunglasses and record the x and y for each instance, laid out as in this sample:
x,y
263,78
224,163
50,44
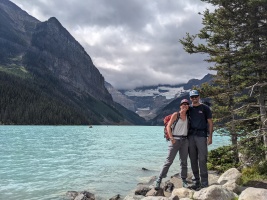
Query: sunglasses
x,y
192,97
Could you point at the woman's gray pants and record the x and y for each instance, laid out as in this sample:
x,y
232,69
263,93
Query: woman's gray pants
x,y
180,145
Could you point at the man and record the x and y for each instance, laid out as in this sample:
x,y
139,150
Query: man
x,y
199,137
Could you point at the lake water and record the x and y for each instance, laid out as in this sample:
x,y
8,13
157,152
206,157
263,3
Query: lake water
x,y
44,162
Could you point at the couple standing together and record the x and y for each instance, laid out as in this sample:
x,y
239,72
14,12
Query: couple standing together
x,y
191,136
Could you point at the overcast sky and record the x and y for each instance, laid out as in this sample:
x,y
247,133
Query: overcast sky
x,y
132,42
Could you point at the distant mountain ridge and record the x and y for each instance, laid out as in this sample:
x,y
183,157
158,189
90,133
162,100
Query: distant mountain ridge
x,y
148,101
43,60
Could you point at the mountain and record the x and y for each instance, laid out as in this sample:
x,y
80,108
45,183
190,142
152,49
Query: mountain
x,y
149,101
47,77
120,98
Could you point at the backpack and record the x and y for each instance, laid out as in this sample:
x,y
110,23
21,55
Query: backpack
x,y
166,121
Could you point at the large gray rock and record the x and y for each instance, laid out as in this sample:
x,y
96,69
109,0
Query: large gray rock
x,y
142,190
182,193
229,180
253,194
85,196
213,178
154,192
231,175
217,192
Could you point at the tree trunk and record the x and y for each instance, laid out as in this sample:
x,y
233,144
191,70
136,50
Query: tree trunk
x,y
233,131
235,149
262,102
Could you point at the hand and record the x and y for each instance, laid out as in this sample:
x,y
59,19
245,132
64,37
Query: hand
x,y
209,140
173,140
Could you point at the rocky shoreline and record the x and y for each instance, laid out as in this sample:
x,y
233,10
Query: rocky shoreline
x,y
223,187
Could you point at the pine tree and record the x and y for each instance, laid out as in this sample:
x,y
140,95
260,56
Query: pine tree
x,y
254,51
235,40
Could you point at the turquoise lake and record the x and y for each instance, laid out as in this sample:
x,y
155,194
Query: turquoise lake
x,y
44,162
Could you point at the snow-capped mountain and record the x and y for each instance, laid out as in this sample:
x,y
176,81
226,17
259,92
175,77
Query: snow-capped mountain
x,y
168,91
147,101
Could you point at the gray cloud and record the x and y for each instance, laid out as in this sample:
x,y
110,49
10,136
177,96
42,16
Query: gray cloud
x,y
132,43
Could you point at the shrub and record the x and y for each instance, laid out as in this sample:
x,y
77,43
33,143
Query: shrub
x,y
257,172
253,149
221,159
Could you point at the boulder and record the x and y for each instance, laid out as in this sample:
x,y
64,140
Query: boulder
x,y
253,194
168,186
213,178
229,180
154,192
182,193
177,182
231,175
142,190
232,186
85,195
217,192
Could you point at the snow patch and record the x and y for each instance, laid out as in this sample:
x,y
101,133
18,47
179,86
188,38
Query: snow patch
x,y
168,92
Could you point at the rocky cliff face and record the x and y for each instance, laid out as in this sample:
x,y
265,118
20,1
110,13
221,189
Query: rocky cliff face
x,y
54,49
16,28
48,46
46,56
120,98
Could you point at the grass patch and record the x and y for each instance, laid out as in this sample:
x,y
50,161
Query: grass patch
x,y
254,174
16,70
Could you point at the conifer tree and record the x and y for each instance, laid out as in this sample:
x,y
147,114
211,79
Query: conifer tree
x,y
235,40
254,54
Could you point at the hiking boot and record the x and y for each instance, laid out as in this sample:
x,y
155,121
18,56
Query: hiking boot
x,y
195,186
185,184
204,184
157,185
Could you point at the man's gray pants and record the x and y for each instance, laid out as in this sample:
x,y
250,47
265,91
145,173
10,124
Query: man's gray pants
x,y
198,153
180,145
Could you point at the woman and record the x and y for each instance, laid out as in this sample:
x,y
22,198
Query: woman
x,y
178,142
